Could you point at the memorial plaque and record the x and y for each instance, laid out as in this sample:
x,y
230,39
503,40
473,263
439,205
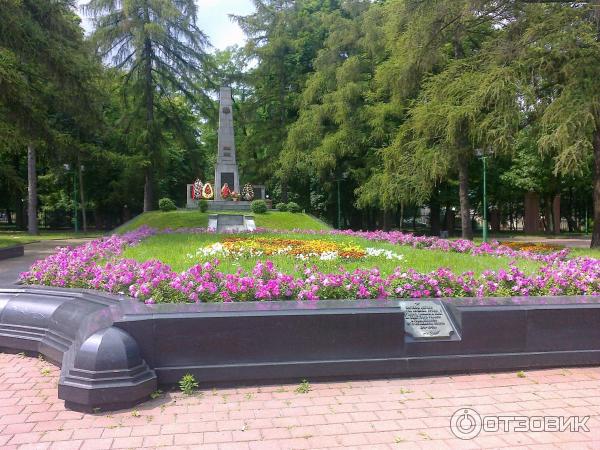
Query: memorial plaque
x,y
229,178
426,319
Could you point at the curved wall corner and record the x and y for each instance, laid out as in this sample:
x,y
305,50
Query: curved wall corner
x,y
107,373
100,365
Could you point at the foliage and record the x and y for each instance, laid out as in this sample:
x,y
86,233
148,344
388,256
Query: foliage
x,y
380,103
283,38
282,207
259,207
166,204
188,384
203,205
161,51
156,394
304,387
293,207
47,102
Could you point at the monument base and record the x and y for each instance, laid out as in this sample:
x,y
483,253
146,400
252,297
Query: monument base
x,y
228,205
221,205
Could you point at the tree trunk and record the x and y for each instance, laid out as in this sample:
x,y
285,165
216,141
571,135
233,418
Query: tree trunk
x,y
596,230
149,94
9,216
148,190
82,195
401,216
449,220
19,214
434,219
463,193
386,220
284,190
32,223
548,217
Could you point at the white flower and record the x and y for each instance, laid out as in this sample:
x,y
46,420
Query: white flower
x,y
387,254
328,256
216,249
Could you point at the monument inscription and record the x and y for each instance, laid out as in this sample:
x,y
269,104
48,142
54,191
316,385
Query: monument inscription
x,y
426,319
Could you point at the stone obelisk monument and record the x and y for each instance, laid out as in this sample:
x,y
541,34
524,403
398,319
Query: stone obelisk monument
x,y
226,170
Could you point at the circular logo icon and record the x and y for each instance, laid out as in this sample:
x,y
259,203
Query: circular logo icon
x,y
466,423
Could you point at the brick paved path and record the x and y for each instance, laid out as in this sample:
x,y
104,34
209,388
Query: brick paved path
x,y
399,413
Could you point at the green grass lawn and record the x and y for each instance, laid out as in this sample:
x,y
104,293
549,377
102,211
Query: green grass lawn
x,y
9,242
591,252
12,237
173,249
194,218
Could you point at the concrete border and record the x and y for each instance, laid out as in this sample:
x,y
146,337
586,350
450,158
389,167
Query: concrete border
x,y
114,351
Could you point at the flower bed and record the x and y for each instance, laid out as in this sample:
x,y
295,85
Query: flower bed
x,y
421,242
96,265
534,247
304,250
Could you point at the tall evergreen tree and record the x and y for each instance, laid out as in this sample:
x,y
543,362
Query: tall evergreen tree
x,y
284,37
161,50
332,141
561,46
43,64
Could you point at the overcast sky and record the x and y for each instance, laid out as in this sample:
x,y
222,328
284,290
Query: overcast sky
x,y
213,19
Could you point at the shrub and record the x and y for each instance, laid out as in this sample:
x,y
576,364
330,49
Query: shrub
x,y
203,205
258,206
166,204
188,384
293,207
281,207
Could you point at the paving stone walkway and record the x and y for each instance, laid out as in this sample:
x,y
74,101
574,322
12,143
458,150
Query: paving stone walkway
x,y
387,414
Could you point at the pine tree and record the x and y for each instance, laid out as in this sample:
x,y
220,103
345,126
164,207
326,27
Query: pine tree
x,y
161,50
561,46
42,64
284,37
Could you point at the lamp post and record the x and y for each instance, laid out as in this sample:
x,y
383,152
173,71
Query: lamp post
x,y
481,153
75,219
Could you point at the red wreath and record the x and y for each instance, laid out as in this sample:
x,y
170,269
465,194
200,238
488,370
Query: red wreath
x,y
225,191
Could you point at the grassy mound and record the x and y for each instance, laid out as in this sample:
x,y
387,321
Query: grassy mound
x,y
194,218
